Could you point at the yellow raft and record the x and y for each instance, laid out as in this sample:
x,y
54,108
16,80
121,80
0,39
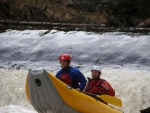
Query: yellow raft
x,y
47,94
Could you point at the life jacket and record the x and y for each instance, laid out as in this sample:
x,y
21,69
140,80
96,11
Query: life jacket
x,y
66,79
94,88
72,77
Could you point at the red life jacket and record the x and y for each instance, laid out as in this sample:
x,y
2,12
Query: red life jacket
x,y
66,79
94,86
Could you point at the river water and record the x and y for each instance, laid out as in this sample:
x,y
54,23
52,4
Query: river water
x,y
123,56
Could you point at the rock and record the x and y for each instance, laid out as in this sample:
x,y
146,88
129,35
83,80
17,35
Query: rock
x,y
94,12
145,23
147,110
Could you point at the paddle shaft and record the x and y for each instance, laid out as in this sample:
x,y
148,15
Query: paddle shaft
x,y
91,94
107,98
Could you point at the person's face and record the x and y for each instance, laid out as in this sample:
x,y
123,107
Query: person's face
x,y
95,74
64,63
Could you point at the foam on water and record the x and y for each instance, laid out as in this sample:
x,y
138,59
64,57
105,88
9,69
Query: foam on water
x,y
12,86
131,85
15,109
29,47
124,56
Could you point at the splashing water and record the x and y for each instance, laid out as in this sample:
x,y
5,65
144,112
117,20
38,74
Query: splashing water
x,y
124,57
132,86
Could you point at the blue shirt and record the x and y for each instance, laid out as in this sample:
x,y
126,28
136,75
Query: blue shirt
x,y
77,78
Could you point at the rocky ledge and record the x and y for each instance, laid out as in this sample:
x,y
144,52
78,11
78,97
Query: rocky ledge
x,y
110,13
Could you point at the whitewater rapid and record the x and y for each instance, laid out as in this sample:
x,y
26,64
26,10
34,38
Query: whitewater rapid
x,y
131,86
41,48
123,56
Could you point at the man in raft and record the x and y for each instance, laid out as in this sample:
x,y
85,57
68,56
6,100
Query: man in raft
x,y
98,86
70,75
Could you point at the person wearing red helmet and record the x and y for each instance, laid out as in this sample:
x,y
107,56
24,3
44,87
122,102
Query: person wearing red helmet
x,y
70,75
98,86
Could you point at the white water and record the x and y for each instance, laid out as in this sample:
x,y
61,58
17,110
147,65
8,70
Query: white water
x,y
132,86
124,56
30,48
15,109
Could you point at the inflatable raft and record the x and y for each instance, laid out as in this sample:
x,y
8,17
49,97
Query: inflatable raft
x,y
47,94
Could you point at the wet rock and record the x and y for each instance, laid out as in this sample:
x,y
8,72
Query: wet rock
x,y
145,23
147,110
96,12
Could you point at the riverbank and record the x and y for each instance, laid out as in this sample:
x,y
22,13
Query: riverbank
x,y
106,13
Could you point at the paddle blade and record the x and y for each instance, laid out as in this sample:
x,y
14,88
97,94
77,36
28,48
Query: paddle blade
x,y
110,100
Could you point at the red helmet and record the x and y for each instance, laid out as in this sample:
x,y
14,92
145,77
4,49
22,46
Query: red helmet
x,y
65,57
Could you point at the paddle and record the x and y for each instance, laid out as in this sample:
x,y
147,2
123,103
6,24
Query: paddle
x,y
107,98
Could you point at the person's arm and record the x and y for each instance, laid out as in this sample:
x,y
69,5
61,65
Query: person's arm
x,y
58,75
81,79
108,89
